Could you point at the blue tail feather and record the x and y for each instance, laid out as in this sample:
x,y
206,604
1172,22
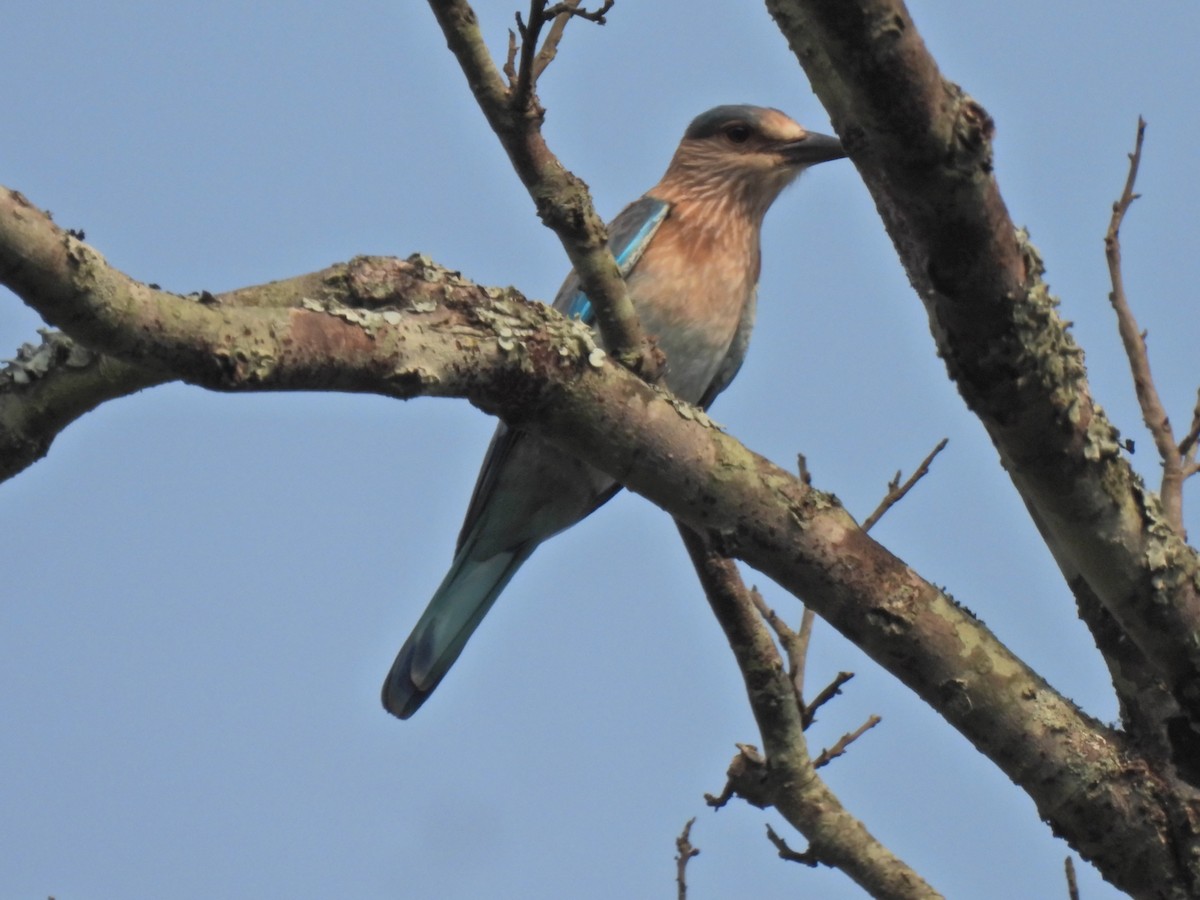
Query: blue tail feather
x,y
459,605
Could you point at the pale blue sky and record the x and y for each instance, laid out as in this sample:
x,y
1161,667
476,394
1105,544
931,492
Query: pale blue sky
x,y
202,593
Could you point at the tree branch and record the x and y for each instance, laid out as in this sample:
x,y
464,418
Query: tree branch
x,y
1072,886
684,852
795,643
49,386
1188,445
896,490
825,757
806,858
923,148
788,777
827,693
1154,414
562,200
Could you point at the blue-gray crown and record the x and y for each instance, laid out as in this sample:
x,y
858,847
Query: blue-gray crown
x,y
709,123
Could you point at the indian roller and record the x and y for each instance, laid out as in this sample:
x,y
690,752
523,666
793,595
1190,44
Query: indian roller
x,y
689,252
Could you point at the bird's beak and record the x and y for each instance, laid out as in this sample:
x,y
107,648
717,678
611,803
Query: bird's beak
x,y
812,149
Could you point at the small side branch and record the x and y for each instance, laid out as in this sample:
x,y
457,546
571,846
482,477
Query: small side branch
x,y
684,852
805,858
1178,460
795,643
825,757
562,200
1188,445
534,58
896,490
830,691
1072,884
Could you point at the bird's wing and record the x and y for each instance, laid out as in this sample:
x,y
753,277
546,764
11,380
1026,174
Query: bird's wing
x,y
628,236
734,356
498,451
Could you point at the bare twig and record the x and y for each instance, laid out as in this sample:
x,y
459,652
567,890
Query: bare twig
x,y
565,11
772,617
798,658
831,690
549,48
1189,443
562,200
510,61
807,858
522,91
683,844
536,58
569,7
1153,412
896,490
1072,884
782,776
802,469
827,756
795,647
795,644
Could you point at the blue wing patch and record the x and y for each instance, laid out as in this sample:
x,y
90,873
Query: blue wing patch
x,y
582,307
629,235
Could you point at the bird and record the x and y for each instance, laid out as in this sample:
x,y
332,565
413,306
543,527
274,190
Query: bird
x,y
689,252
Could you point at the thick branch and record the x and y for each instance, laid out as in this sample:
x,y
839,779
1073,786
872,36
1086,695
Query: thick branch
x,y
923,148
49,386
524,362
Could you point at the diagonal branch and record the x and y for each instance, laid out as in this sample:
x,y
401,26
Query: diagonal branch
x,y
1154,414
562,200
923,148
825,757
1188,445
797,649
792,786
827,693
522,81
896,491
795,643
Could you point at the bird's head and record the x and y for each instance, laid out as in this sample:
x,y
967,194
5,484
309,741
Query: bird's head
x,y
747,154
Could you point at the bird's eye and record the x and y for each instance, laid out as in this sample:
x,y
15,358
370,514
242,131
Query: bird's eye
x,y
738,132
